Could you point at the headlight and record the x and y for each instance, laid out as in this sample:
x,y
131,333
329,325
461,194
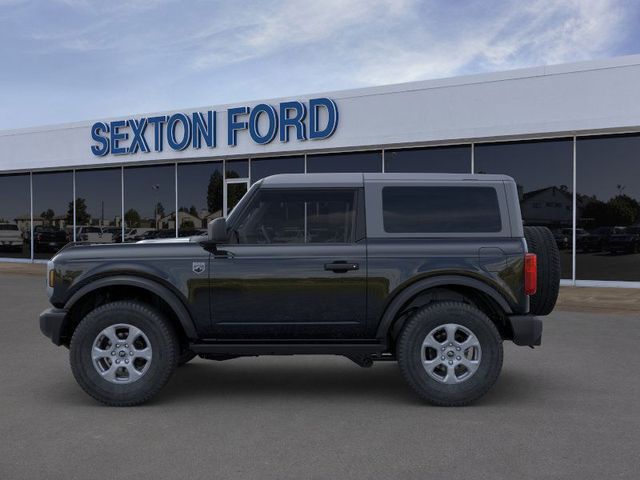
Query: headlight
x,y
51,278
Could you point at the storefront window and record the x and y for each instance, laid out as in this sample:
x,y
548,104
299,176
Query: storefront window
x,y
149,202
345,162
52,212
99,205
237,168
15,216
608,208
263,167
454,159
543,171
200,193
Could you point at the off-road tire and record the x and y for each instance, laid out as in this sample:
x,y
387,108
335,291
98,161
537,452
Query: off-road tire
x,y
164,347
541,242
409,354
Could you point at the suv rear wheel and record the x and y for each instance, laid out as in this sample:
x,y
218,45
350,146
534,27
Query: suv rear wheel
x,y
123,353
450,353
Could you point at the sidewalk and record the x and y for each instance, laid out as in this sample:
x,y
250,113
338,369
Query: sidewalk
x,y
572,299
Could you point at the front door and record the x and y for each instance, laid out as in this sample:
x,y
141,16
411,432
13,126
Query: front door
x,y
294,267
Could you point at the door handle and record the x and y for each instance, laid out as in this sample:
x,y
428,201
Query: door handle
x,y
341,266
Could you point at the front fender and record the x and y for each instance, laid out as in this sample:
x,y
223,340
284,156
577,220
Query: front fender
x,y
170,297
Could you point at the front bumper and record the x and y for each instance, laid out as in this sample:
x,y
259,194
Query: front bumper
x,y
52,324
527,330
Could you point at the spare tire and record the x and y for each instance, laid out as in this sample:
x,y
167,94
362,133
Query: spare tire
x,y
540,241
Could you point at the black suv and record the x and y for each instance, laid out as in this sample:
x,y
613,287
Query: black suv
x,y
433,271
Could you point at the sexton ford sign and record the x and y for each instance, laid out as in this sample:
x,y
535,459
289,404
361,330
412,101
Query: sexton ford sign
x,y
312,120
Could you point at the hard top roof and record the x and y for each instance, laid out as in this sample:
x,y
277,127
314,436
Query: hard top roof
x,y
358,179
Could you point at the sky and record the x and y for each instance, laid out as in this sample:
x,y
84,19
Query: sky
x,y
73,60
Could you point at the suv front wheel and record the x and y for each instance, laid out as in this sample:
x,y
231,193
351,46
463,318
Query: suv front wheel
x,y
122,353
450,353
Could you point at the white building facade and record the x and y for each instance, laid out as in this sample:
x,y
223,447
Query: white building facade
x,y
568,134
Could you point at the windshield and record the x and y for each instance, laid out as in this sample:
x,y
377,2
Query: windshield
x,y
243,202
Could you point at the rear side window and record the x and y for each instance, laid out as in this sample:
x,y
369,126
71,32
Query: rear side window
x,y
436,209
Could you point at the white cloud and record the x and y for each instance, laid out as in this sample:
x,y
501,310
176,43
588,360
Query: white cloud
x,y
539,32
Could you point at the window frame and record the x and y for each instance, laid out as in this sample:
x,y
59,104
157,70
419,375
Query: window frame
x,y
357,221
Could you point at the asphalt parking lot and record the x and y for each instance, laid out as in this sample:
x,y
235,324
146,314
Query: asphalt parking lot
x,y
570,409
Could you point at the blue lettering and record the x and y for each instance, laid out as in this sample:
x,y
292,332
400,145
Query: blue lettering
x,y
117,137
233,125
157,123
103,148
204,129
272,119
139,142
172,123
296,121
332,121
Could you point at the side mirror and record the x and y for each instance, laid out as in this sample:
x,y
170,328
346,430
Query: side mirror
x,y
217,230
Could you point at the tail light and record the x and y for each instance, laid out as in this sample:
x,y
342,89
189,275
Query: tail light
x,y
530,273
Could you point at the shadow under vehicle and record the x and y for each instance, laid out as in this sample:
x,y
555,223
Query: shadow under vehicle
x,y
627,241
10,237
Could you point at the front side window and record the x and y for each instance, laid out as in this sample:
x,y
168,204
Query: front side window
x,y
298,217
440,210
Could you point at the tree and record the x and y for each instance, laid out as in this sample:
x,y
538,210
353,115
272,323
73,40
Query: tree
x,y
214,192
187,225
159,210
132,218
193,211
622,210
48,215
82,216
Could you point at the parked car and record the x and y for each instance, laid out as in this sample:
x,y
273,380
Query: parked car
x,y
598,239
563,240
93,235
47,239
138,233
628,241
10,237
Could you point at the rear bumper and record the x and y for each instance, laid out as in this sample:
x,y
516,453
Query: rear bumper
x,y
52,323
527,330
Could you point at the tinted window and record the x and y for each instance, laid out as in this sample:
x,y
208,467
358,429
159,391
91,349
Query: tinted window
x,y
455,159
608,195
15,212
440,210
345,162
237,168
287,216
263,167
199,196
53,210
543,171
149,201
98,205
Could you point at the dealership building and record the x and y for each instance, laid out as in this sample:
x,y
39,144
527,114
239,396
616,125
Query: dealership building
x,y
568,134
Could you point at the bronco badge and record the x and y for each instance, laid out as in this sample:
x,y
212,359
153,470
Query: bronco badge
x,y
198,267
